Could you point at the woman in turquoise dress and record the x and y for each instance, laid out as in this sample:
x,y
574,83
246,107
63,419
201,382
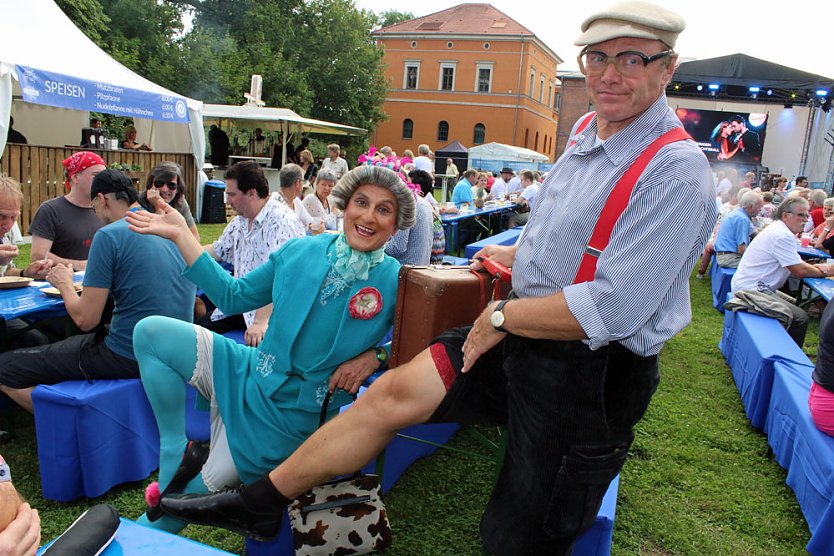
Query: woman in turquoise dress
x,y
266,401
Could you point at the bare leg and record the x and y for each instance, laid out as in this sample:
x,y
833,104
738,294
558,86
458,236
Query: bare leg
x,y
21,396
399,398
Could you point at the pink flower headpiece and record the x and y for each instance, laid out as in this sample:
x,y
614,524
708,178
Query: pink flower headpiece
x,y
401,165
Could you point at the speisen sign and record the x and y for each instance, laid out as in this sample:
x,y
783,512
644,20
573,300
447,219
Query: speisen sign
x,y
65,91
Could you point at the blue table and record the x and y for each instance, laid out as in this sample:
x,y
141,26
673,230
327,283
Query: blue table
x,y
752,344
133,539
804,451
811,252
451,222
29,302
824,287
508,237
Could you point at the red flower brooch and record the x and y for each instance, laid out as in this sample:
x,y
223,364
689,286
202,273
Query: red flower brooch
x,y
365,304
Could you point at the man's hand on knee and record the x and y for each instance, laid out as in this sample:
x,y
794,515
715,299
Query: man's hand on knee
x,y
481,338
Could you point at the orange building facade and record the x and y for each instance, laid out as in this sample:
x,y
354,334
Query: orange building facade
x,y
470,74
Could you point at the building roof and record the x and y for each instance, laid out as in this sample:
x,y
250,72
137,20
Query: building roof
x,y
463,19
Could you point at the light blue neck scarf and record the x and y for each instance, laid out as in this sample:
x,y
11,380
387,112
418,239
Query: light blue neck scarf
x,y
347,266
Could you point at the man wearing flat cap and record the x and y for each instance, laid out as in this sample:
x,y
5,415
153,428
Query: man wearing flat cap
x,y
143,273
569,362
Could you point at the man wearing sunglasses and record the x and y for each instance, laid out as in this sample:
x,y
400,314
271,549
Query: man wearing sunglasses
x,y
569,362
142,273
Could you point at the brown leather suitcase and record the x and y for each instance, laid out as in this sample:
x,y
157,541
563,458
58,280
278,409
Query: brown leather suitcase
x,y
433,299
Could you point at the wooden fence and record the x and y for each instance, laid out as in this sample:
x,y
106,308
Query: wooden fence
x,y
41,174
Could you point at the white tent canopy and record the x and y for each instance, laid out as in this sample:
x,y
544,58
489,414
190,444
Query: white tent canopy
x,y
500,151
45,58
275,119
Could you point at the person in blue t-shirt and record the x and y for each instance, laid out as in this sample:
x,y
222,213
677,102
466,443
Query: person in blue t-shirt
x,y
733,235
143,274
462,193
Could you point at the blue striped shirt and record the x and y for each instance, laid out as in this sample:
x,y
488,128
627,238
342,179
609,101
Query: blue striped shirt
x,y
413,246
640,292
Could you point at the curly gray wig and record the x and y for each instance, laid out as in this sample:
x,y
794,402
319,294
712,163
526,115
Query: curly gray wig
x,y
383,177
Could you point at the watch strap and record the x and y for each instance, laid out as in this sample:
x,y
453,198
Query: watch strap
x,y
381,357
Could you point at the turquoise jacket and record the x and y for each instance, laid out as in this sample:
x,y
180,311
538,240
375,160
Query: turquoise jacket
x,y
270,403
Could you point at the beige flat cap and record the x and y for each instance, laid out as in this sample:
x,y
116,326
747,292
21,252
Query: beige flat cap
x,y
632,19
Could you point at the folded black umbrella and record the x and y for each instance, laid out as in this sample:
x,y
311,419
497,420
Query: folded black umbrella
x,y
89,535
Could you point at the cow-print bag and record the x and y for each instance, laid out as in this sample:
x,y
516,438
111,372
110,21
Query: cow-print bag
x,y
344,516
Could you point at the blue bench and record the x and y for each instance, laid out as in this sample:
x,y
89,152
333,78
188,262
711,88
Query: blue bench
x,y
804,451
508,237
95,435
721,279
134,539
752,344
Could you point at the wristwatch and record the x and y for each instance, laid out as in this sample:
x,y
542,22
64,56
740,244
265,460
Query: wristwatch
x,y
381,356
5,474
497,317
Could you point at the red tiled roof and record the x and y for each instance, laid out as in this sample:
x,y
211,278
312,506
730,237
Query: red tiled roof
x,y
463,19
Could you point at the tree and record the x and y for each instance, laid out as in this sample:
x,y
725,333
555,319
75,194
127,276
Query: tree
x,y
88,16
391,17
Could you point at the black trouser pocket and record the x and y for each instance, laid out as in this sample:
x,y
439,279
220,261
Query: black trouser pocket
x,y
580,485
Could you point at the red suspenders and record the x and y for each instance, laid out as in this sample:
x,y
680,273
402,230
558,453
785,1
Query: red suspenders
x,y
617,200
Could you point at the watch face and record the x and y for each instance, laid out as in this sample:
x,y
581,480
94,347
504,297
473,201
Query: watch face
x,y
497,319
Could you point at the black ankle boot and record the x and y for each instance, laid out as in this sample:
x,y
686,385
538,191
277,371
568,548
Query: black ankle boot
x,y
195,455
255,510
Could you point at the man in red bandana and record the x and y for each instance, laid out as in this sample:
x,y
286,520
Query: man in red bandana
x,y
63,228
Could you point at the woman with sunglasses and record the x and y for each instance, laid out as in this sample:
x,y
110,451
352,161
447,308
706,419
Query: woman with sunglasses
x,y
165,182
334,298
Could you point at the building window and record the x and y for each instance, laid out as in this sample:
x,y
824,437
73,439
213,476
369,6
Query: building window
x,y
549,94
557,100
532,82
413,44
408,129
443,131
486,46
526,137
536,142
479,137
541,89
484,80
411,74
450,44
447,78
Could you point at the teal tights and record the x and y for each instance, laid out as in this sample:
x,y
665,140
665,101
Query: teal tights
x,y
166,350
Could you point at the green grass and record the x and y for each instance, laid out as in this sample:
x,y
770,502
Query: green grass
x,y
699,480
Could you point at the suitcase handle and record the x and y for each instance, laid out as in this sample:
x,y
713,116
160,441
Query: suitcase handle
x,y
496,269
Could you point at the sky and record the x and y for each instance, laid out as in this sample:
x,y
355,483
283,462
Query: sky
x,y
794,34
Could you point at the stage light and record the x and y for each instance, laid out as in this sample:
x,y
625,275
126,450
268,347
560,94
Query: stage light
x,y
753,89
700,87
793,94
769,92
714,86
821,92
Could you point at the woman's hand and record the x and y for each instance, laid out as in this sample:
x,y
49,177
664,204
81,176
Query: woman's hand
x,y
350,375
166,222
153,198
254,335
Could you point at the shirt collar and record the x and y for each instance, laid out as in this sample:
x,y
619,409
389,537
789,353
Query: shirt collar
x,y
270,203
621,144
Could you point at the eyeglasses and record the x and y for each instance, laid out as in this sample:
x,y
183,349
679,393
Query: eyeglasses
x,y
629,63
160,184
